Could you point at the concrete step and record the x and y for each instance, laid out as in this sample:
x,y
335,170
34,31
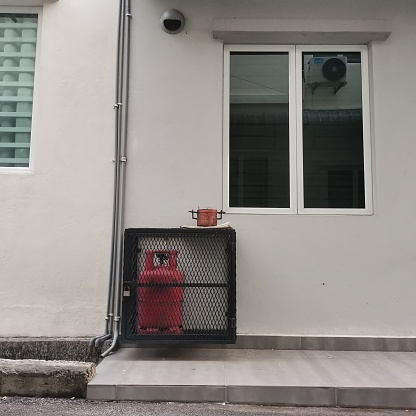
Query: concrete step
x,y
45,378
59,349
274,377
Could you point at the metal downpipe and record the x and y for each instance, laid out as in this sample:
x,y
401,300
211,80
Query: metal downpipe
x,y
108,331
124,76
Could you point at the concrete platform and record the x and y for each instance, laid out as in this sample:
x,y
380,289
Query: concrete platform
x,y
275,377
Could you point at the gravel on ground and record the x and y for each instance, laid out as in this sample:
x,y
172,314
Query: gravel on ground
x,y
22,406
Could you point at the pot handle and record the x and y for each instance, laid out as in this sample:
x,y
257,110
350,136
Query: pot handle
x,y
193,212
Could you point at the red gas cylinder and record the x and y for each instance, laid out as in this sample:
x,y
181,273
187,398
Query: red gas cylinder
x,y
159,299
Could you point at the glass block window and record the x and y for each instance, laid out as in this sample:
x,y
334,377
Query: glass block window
x,y
18,34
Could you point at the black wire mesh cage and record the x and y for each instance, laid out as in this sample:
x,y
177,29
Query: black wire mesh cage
x,y
179,285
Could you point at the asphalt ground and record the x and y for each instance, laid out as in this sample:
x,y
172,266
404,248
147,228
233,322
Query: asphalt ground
x,y
22,406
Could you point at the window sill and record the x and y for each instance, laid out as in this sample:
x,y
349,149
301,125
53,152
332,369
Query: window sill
x,y
25,3
260,211
307,211
15,171
300,31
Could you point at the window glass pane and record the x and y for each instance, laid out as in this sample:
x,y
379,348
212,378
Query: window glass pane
x,y
333,158
18,34
259,130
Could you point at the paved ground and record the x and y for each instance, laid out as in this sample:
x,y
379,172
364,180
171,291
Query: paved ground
x,y
22,406
244,376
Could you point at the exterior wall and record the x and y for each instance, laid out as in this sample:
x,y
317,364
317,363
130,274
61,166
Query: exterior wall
x,y
308,275
55,226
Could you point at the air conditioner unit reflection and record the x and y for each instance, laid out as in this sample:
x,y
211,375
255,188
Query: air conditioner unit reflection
x,y
327,72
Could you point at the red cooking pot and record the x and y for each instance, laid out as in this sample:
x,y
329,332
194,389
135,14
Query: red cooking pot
x,y
206,217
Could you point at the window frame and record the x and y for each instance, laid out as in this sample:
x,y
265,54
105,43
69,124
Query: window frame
x,y
295,55
38,11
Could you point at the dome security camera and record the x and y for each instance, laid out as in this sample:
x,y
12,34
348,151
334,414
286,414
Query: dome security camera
x,y
172,21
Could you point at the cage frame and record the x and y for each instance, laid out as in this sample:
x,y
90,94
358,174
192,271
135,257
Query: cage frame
x,y
131,270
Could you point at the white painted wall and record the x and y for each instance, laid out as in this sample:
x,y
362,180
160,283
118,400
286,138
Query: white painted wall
x,y
55,223
310,275
317,275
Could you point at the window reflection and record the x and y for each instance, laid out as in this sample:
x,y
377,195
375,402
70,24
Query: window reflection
x,y
333,156
259,130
